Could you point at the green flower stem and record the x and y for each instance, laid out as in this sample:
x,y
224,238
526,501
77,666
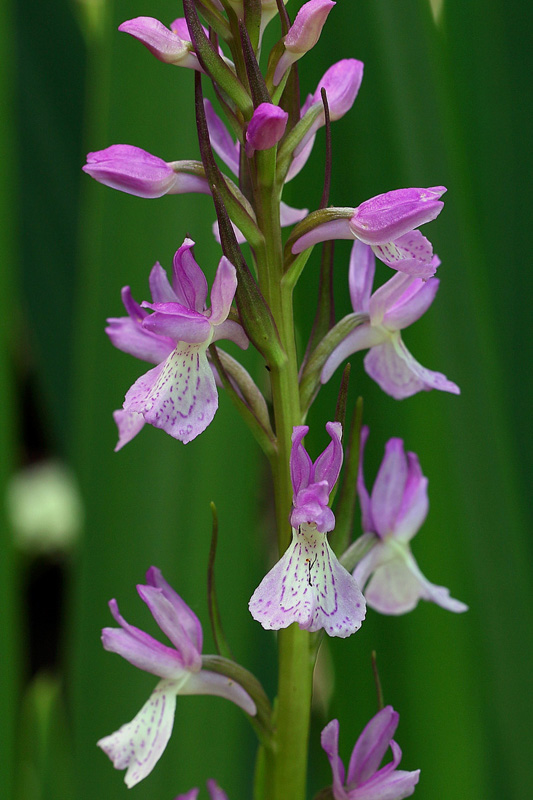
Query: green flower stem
x,y
295,662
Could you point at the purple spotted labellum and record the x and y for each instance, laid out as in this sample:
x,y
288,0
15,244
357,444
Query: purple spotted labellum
x,y
394,512
308,585
179,395
393,307
138,745
387,223
365,781
134,171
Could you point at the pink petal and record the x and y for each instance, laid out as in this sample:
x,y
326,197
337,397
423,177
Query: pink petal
x,y
213,683
220,139
160,288
188,279
371,746
129,423
361,338
187,617
413,303
389,486
169,620
393,368
329,739
361,276
222,291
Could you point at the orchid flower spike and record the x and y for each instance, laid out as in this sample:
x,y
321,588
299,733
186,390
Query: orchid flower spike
x,y
179,395
387,223
393,307
172,46
303,34
134,171
394,512
365,781
138,745
308,585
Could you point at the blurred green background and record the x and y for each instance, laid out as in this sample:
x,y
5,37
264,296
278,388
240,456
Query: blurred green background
x,y
445,100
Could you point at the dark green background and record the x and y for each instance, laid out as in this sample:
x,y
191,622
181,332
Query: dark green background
x,y
439,104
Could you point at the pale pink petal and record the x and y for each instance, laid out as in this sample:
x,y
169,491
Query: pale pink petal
x,y
361,276
160,288
393,368
361,338
229,329
290,216
206,682
179,396
387,295
371,747
301,154
220,139
397,584
129,336
187,617
415,504
329,739
138,745
129,423
215,791
177,322
222,291
364,498
387,493
414,302
168,619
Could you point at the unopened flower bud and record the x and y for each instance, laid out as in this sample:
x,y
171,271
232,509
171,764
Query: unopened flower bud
x,y
266,128
134,171
166,45
303,34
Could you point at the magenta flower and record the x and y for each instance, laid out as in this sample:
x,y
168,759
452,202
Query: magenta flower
x,y
134,171
365,781
303,34
266,128
387,223
394,512
172,46
308,585
393,307
138,745
179,395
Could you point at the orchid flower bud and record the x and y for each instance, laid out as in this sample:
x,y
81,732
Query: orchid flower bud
x,y
266,128
166,45
303,34
134,171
